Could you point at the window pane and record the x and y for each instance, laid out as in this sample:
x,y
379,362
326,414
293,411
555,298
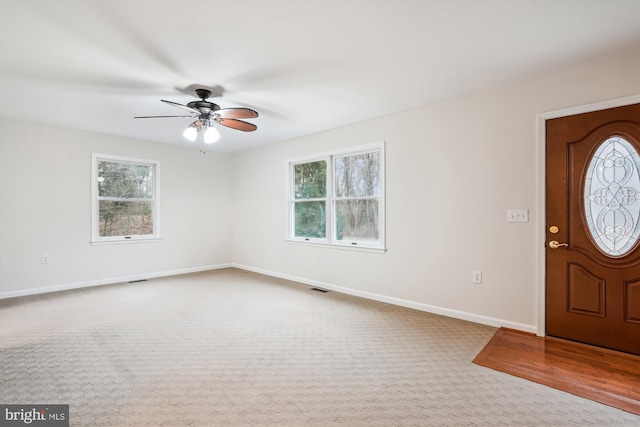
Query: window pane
x,y
310,219
310,180
125,218
125,180
357,220
358,176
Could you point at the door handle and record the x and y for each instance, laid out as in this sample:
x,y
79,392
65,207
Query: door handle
x,y
554,244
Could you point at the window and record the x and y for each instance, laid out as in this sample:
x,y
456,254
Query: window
x,y
310,200
338,198
125,199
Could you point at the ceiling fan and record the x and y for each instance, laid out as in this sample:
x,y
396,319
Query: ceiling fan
x,y
206,113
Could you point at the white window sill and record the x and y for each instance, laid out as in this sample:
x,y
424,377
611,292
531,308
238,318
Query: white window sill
x,y
341,246
123,241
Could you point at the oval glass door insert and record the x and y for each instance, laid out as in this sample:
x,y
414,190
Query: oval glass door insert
x,y
612,196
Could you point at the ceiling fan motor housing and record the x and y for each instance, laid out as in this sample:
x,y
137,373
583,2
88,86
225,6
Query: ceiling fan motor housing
x,y
203,93
203,106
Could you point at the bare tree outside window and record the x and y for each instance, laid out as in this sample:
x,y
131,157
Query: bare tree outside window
x,y
357,189
339,199
125,198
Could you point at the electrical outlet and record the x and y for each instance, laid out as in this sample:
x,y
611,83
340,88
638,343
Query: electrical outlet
x,y
476,277
46,259
318,257
199,246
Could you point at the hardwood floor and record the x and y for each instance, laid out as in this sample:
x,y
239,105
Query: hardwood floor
x,y
602,375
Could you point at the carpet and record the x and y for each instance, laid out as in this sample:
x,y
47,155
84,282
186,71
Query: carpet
x,y
234,348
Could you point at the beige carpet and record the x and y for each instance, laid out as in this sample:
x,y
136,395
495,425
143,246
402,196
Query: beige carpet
x,y
232,348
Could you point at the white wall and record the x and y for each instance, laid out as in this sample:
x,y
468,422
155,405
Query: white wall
x,y
45,209
453,170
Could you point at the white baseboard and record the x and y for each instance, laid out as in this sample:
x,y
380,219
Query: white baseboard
x,y
456,314
110,281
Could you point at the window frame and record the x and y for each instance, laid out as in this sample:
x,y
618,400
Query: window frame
x,y
293,199
96,239
331,198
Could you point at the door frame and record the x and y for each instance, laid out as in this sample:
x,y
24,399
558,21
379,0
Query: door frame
x,y
541,138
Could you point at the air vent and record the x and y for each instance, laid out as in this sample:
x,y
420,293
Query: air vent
x,y
138,281
319,290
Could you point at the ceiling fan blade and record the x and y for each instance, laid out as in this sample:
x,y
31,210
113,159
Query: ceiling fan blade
x,y
237,124
157,117
236,113
184,107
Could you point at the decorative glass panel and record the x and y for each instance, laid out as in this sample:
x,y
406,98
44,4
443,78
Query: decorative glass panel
x,y
612,196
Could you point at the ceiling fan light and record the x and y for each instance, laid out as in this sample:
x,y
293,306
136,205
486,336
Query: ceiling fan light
x,y
190,133
211,135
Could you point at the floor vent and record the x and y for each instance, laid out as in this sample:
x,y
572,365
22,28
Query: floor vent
x,y
319,290
138,281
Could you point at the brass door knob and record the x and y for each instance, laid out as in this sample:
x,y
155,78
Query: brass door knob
x,y
554,244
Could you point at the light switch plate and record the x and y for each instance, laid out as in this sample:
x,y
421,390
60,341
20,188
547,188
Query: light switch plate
x,y
518,215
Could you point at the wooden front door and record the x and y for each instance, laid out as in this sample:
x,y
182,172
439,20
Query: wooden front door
x,y
593,228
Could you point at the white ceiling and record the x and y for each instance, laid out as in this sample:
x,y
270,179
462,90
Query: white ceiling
x,y
305,66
